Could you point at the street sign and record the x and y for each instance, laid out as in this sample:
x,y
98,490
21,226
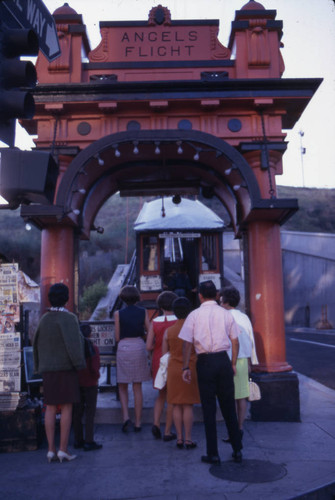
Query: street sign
x,y
33,14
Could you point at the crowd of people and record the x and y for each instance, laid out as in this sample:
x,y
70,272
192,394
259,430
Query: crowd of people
x,y
210,352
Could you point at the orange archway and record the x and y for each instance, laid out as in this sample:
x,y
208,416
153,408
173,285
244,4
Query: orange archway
x,y
161,106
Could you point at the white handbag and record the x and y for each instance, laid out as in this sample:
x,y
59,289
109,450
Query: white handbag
x,y
254,391
161,376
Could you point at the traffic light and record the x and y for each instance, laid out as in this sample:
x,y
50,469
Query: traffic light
x,y
27,176
16,78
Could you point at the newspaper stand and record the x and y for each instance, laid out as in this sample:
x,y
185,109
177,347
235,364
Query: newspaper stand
x,y
19,421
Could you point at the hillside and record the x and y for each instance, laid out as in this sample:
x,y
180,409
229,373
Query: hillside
x,y
316,214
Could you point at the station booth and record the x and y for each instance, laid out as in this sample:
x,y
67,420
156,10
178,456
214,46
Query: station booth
x,y
178,245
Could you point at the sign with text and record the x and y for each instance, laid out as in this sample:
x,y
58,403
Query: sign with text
x,y
103,336
159,39
150,283
215,277
164,43
33,14
179,235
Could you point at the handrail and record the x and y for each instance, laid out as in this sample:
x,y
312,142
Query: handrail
x,y
129,280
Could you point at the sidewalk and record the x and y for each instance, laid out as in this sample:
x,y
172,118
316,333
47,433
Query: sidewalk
x,y
282,461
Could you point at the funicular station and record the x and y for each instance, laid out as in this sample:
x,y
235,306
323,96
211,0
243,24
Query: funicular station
x,y
160,107
178,244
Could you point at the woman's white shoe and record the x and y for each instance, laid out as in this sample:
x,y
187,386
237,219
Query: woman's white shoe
x,y
51,456
62,455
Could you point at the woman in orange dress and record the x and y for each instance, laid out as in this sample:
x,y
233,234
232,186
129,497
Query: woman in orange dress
x,y
181,395
154,344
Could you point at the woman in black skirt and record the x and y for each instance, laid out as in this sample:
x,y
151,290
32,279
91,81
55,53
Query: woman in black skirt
x,y
58,353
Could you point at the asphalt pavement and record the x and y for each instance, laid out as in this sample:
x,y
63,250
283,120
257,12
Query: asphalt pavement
x,y
312,353
280,460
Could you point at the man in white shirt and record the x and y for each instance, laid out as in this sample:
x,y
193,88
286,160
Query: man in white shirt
x,y
209,328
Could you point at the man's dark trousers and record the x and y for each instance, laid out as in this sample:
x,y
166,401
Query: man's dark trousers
x,y
87,405
216,380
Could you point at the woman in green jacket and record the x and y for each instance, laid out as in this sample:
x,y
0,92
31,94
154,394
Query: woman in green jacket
x,y
58,347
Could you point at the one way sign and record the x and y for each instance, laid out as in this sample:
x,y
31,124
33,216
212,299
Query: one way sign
x,y
33,14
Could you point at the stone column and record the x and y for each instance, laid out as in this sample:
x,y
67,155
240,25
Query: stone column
x,y
266,295
278,383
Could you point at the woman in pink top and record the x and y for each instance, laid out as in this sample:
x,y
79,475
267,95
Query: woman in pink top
x,y
154,344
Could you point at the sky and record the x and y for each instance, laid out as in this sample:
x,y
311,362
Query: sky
x,y
308,52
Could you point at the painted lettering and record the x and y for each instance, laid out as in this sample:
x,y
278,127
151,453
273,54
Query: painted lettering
x,y
161,51
18,5
189,47
125,37
159,44
138,36
193,36
36,21
35,17
31,7
108,342
177,39
155,36
129,50
175,51
141,54
42,23
166,36
152,36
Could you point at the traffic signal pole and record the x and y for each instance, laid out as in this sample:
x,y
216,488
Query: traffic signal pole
x,y
25,176
17,79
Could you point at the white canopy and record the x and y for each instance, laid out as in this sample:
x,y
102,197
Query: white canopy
x,y
187,216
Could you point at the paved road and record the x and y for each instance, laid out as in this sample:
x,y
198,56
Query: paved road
x,y
312,353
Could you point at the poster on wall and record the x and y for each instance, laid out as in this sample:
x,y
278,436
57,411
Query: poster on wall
x,y
10,362
8,283
10,340
10,380
9,298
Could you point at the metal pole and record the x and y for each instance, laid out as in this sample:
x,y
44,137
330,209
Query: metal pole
x,y
302,152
